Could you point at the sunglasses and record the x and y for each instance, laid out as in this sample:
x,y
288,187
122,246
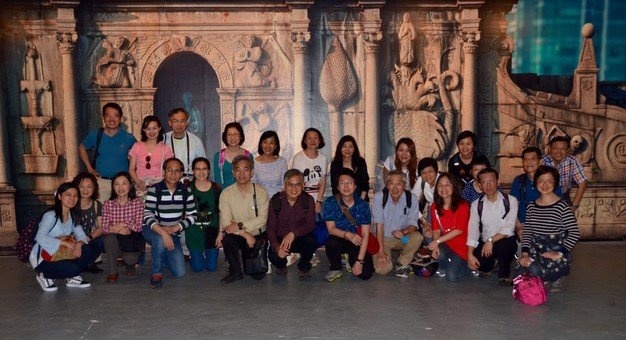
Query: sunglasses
x,y
148,165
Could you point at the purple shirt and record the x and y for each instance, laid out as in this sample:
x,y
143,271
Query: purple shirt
x,y
290,218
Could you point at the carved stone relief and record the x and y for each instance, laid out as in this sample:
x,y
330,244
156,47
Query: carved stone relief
x,y
253,67
116,68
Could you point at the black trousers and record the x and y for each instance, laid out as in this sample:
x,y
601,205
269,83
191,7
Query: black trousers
x,y
336,246
503,250
234,248
305,245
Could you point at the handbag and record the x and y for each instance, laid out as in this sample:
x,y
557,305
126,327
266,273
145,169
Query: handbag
x,y
255,258
529,290
372,244
131,243
63,253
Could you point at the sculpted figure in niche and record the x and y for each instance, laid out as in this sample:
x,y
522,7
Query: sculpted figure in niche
x,y
116,67
252,65
406,37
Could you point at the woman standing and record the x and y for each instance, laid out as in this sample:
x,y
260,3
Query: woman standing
x,y
450,218
550,232
233,137
460,164
405,159
122,219
269,167
147,157
347,155
90,214
313,164
61,249
201,236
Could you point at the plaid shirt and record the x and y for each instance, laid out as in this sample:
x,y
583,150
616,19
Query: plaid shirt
x,y
131,213
570,170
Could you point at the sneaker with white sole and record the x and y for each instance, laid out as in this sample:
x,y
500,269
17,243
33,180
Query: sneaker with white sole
x,y
46,284
77,282
345,261
402,271
440,273
292,258
333,275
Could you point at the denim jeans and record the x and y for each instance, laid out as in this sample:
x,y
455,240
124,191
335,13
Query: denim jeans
x,y
174,258
454,266
68,268
203,259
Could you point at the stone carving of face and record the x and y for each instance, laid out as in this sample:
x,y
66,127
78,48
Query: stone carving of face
x,y
576,143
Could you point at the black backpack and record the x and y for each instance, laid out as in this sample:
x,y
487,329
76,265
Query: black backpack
x,y
277,203
409,199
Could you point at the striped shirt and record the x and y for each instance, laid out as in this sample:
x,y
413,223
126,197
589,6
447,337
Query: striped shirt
x,y
172,209
114,213
270,175
550,220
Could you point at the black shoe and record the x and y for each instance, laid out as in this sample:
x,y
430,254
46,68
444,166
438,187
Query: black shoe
x,y
281,271
230,278
92,268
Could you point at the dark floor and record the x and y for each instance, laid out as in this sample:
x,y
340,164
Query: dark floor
x,y
593,305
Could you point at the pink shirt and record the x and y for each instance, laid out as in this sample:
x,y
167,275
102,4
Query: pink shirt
x,y
157,157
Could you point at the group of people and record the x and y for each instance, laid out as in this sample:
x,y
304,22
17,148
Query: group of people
x,y
159,190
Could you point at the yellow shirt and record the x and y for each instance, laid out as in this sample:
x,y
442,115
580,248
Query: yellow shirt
x,y
234,206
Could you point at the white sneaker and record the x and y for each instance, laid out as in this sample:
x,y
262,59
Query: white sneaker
x,y
440,273
292,258
46,284
77,282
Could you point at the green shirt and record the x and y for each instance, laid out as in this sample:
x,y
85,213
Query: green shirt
x,y
208,217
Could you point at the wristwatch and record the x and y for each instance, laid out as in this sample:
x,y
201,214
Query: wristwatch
x,y
490,240
240,225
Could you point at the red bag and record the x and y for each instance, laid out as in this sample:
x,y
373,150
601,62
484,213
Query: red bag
x,y
372,244
529,290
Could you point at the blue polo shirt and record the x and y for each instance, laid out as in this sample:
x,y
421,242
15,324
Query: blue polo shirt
x,y
360,211
113,151
524,190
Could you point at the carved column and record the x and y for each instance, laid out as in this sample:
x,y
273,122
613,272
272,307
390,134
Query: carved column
x,y
372,99
300,47
469,113
67,44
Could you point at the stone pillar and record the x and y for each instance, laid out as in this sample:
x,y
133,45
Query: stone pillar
x,y
372,100
469,114
300,47
67,45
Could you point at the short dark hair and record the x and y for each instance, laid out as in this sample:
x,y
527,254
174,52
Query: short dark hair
x,y
559,139
348,172
267,135
236,125
319,135
86,175
466,134
177,110
198,160
132,192
532,149
480,161
242,158
173,159
425,163
544,169
488,171
144,125
114,106
292,173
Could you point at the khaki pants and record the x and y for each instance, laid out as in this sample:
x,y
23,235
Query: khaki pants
x,y
407,251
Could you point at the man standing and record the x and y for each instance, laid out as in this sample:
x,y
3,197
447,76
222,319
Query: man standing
x,y
290,225
523,187
570,169
243,217
395,214
186,145
170,209
111,144
491,229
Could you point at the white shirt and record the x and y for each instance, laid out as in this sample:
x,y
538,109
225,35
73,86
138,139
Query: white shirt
x,y
493,223
429,192
196,149
390,164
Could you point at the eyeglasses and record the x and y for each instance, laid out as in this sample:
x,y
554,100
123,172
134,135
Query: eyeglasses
x,y
175,171
148,165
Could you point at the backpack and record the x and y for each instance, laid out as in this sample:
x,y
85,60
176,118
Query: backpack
x,y
26,239
96,151
409,199
277,203
529,290
507,207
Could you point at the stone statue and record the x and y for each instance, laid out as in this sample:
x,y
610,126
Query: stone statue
x,y
406,37
116,67
252,66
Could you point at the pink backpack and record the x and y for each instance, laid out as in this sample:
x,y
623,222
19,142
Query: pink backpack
x,y
529,290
